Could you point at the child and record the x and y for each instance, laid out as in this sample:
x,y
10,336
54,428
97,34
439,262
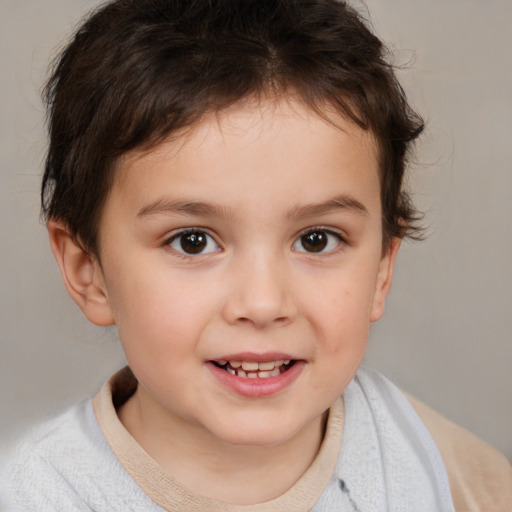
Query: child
x,y
224,184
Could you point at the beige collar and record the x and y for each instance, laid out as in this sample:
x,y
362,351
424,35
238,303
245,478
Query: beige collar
x,y
169,494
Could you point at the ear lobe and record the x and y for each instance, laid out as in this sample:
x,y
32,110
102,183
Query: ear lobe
x,y
81,273
384,279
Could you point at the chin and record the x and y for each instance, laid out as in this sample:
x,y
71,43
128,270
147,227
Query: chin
x,y
261,432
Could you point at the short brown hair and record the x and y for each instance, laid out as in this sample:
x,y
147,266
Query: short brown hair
x,y
138,70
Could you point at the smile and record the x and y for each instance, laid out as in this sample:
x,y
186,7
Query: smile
x,y
256,376
255,370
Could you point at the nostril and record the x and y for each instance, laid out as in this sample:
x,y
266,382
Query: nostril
x,y
260,321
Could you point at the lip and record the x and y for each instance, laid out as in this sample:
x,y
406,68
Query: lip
x,y
253,357
257,388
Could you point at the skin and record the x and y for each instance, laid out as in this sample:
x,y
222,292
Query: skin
x,y
255,179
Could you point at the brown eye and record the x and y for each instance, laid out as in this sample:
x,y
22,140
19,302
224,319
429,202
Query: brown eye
x,y
317,240
193,242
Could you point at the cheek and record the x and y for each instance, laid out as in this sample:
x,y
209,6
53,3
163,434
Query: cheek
x,y
352,292
165,311
339,310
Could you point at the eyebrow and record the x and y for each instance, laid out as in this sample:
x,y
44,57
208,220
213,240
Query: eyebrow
x,y
199,208
342,202
195,208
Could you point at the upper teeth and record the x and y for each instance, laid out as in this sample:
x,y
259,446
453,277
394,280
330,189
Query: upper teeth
x,y
255,366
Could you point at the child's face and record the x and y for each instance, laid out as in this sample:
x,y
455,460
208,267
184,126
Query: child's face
x,y
255,237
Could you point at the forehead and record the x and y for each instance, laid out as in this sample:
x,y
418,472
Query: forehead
x,y
258,147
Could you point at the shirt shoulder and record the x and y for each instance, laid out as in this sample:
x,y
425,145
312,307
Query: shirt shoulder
x,y
66,464
480,477
36,473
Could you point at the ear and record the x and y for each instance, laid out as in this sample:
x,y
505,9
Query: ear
x,y
384,279
81,273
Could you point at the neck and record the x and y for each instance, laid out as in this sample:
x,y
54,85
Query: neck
x,y
235,474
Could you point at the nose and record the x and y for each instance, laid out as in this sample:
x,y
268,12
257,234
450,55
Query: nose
x,y
260,293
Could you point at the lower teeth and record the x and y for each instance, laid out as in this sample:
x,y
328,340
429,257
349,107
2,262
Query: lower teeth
x,y
255,375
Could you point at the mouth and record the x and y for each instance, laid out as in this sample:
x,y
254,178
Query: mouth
x,y
254,369
252,375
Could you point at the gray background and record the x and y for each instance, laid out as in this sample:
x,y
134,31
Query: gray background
x,y
446,334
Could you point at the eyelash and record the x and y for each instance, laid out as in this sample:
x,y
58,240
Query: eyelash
x,y
297,246
182,233
340,239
